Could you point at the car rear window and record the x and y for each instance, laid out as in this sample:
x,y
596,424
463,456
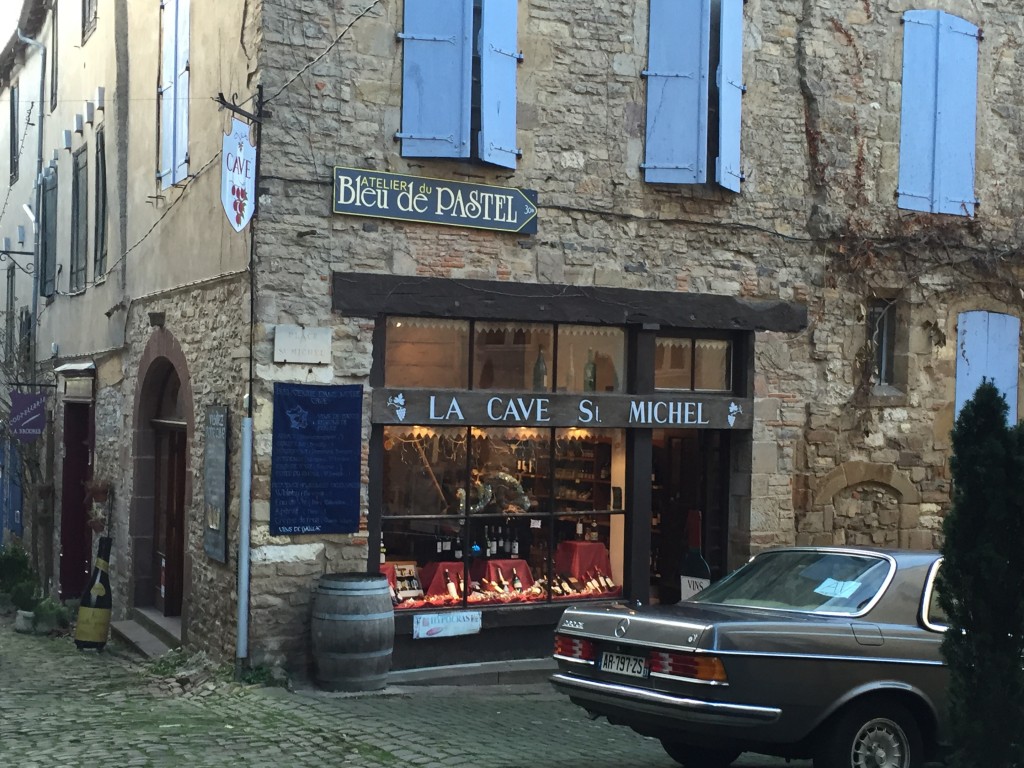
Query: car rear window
x,y
811,581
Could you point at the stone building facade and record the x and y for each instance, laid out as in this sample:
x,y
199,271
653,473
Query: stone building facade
x,y
834,454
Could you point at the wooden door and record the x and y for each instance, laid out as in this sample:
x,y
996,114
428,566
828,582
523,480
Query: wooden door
x,y
75,534
169,505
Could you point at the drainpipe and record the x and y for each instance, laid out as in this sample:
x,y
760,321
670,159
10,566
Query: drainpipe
x,y
242,636
39,195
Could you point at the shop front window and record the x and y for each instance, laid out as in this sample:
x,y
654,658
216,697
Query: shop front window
x,y
591,359
422,352
703,365
493,516
512,356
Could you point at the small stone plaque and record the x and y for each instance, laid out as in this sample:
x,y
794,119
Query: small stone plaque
x,y
296,344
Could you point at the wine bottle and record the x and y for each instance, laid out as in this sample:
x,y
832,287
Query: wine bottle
x,y
556,588
591,582
462,584
564,584
450,585
590,373
395,599
515,546
500,546
458,548
501,580
437,540
517,583
694,572
540,371
93,624
606,580
579,528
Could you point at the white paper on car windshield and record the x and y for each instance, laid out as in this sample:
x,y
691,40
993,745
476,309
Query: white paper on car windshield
x,y
834,588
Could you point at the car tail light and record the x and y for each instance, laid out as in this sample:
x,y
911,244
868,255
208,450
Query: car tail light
x,y
693,666
575,648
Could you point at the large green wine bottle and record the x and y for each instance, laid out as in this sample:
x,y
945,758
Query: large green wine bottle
x,y
93,623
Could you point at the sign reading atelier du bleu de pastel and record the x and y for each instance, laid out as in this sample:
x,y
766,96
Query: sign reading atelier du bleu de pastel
x,y
434,201
515,409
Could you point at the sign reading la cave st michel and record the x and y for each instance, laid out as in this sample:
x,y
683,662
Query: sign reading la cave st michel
x,y
434,201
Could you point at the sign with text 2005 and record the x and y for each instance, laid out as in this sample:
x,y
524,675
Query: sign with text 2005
x,y
434,201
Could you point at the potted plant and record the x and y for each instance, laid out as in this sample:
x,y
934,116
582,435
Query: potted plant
x,y
50,615
14,569
24,596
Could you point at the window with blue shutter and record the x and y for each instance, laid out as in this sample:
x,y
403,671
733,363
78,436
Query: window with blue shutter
x,y
173,92
938,113
444,113
692,120
730,94
499,60
987,347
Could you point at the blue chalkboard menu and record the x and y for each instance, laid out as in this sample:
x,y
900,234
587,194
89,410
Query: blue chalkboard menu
x,y
317,450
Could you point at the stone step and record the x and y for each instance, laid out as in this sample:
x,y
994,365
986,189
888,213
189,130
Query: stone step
x,y
139,638
166,628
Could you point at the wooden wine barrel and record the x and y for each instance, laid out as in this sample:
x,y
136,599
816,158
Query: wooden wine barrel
x,y
353,630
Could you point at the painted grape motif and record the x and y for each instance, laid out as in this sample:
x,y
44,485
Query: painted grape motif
x,y
241,201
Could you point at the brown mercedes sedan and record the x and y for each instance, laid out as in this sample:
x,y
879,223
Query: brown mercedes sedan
x,y
830,653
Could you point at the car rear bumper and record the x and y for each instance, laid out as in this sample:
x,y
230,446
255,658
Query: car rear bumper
x,y
606,698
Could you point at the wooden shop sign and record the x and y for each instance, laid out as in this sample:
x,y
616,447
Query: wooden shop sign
x,y
360,192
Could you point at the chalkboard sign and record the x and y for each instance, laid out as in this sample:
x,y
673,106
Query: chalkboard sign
x,y
215,483
317,455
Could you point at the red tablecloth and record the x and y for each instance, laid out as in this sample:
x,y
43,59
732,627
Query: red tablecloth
x,y
578,557
388,569
432,577
488,569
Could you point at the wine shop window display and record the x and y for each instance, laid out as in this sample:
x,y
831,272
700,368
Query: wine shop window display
x,y
498,516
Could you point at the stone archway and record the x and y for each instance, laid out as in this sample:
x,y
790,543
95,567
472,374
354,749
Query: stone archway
x,y
163,429
864,503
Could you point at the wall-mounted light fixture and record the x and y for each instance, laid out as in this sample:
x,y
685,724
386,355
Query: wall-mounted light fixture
x,y
156,319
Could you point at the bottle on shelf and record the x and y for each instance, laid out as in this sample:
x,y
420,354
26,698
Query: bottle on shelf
x,y
517,583
437,541
383,550
556,588
94,609
515,546
462,583
563,582
501,580
592,532
450,585
446,546
590,373
694,572
540,371
579,528
605,580
457,548
591,582
395,599
499,548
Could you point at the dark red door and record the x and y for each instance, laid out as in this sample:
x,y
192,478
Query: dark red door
x,y
75,534
169,503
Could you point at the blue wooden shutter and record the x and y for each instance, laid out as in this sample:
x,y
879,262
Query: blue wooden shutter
x,y
498,63
437,72
677,91
987,346
181,95
730,94
937,122
955,116
168,50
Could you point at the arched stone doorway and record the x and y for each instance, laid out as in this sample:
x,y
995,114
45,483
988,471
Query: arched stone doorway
x,y
162,496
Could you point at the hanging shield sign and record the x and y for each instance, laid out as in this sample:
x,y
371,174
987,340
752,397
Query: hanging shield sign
x,y
238,175
28,416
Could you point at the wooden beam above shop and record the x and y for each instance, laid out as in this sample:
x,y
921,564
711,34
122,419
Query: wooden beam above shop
x,y
365,294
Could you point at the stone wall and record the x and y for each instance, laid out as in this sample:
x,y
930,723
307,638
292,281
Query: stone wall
x,y
816,223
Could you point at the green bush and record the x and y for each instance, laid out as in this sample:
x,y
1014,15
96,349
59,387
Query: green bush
x,y
15,567
48,607
24,596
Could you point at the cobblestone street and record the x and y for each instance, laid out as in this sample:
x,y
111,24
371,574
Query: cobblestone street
x,y
62,707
